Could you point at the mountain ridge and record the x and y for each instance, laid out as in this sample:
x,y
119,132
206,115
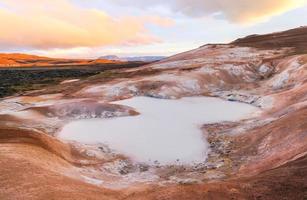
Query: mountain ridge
x,y
27,60
133,58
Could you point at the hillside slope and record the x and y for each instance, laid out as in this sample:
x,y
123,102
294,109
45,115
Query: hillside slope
x,y
25,60
262,157
296,38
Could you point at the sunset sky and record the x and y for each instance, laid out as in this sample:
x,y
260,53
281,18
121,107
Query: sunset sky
x,y
92,28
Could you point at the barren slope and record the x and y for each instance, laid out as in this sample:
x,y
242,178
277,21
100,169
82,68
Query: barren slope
x,y
25,60
263,157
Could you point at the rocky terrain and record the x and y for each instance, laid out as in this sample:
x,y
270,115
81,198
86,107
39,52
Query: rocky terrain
x,y
261,157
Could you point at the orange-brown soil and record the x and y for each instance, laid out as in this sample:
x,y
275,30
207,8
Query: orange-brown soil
x,y
263,157
25,60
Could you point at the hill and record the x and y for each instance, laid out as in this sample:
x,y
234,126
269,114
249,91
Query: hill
x,y
133,59
26,60
262,156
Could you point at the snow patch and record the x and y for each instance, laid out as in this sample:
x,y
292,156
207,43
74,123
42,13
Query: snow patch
x,y
191,84
265,102
234,69
93,181
264,69
280,80
70,81
207,70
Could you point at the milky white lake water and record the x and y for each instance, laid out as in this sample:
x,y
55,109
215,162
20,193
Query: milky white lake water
x,y
167,131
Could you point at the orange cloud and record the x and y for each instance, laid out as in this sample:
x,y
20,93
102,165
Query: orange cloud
x,y
237,11
60,24
251,11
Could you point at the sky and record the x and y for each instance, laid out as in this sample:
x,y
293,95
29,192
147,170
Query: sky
x,y
93,28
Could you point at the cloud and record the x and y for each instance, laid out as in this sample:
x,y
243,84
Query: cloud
x,y
237,11
45,24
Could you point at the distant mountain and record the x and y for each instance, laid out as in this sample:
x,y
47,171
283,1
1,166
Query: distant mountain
x,y
110,57
26,60
136,58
